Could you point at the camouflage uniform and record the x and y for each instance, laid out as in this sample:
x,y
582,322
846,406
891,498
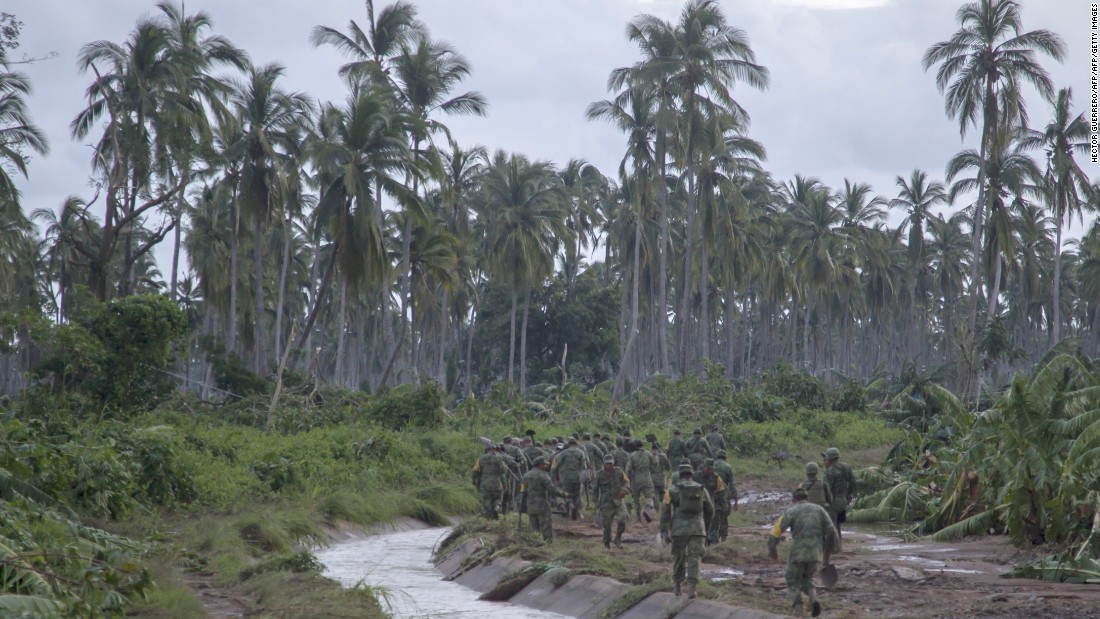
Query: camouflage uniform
x,y
610,485
657,471
676,449
715,441
725,473
517,466
841,482
488,475
621,457
697,449
641,480
817,490
535,491
566,469
716,488
812,538
687,533
595,456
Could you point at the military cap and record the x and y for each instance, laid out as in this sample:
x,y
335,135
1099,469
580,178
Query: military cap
x,y
572,440
831,453
714,427
800,494
697,431
507,439
609,459
539,461
685,468
676,432
626,433
587,437
530,433
709,462
684,461
812,468
597,435
721,454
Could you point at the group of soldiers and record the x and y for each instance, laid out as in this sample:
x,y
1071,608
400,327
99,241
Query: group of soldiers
x,y
695,505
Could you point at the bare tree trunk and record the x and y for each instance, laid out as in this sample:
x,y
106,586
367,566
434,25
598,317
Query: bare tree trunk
x,y
338,374
512,340
704,311
234,275
470,354
260,362
1056,302
617,391
172,293
683,317
441,360
662,262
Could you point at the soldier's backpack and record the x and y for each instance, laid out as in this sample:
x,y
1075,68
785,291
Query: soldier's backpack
x,y
692,498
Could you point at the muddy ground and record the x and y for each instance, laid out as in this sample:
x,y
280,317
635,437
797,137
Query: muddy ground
x,y
881,574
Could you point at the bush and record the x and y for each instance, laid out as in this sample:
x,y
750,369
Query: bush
x,y
849,395
798,386
409,405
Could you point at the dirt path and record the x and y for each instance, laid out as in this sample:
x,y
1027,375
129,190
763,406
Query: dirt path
x,y
218,603
881,574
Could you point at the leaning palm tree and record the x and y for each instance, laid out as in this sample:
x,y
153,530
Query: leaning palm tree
x,y
983,67
1067,183
522,208
373,50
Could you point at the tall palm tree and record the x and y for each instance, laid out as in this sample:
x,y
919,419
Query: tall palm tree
x,y
948,254
267,115
1067,183
522,210
372,50
983,67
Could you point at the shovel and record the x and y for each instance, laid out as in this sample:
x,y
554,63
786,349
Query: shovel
x,y
828,575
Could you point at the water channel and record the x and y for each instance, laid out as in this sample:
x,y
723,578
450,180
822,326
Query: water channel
x,y
398,566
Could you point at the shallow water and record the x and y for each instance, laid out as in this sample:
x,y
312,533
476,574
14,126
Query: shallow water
x,y
399,566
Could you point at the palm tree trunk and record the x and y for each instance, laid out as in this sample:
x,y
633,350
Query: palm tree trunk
x,y
338,374
260,362
995,292
662,261
234,275
632,334
704,310
512,340
178,223
523,343
689,253
283,269
1056,302
470,354
441,367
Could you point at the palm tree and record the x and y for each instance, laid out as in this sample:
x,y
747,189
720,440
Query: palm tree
x,y
524,219
267,115
374,49
1067,183
948,253
425,73
982,67
17,132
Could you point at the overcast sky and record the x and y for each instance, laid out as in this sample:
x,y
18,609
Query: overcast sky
x,y
848,97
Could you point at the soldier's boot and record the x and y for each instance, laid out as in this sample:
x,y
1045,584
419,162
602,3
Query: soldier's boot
x,y
619,534
691,589
676,588
573,512
815,608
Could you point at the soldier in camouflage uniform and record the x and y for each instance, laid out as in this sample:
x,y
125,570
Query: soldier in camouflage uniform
x,y
658,471
516,464
676,448
611,485
685,528
566,469
638,469
813,537
715,440
488,476
725,473
620,454
535,492
841,483
595,456
817,490
716,488
697,449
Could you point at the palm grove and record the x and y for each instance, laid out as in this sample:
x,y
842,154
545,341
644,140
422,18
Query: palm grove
x,y
357,243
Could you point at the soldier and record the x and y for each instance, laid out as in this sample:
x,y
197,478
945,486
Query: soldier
x,y
660,467
535,491
685,517
715,440
517,466
488,474
725,473
532,451
676,448
620,454
817,490
716,488
697,449
595,454
638,469
813,537
841,482
611,485
566,469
